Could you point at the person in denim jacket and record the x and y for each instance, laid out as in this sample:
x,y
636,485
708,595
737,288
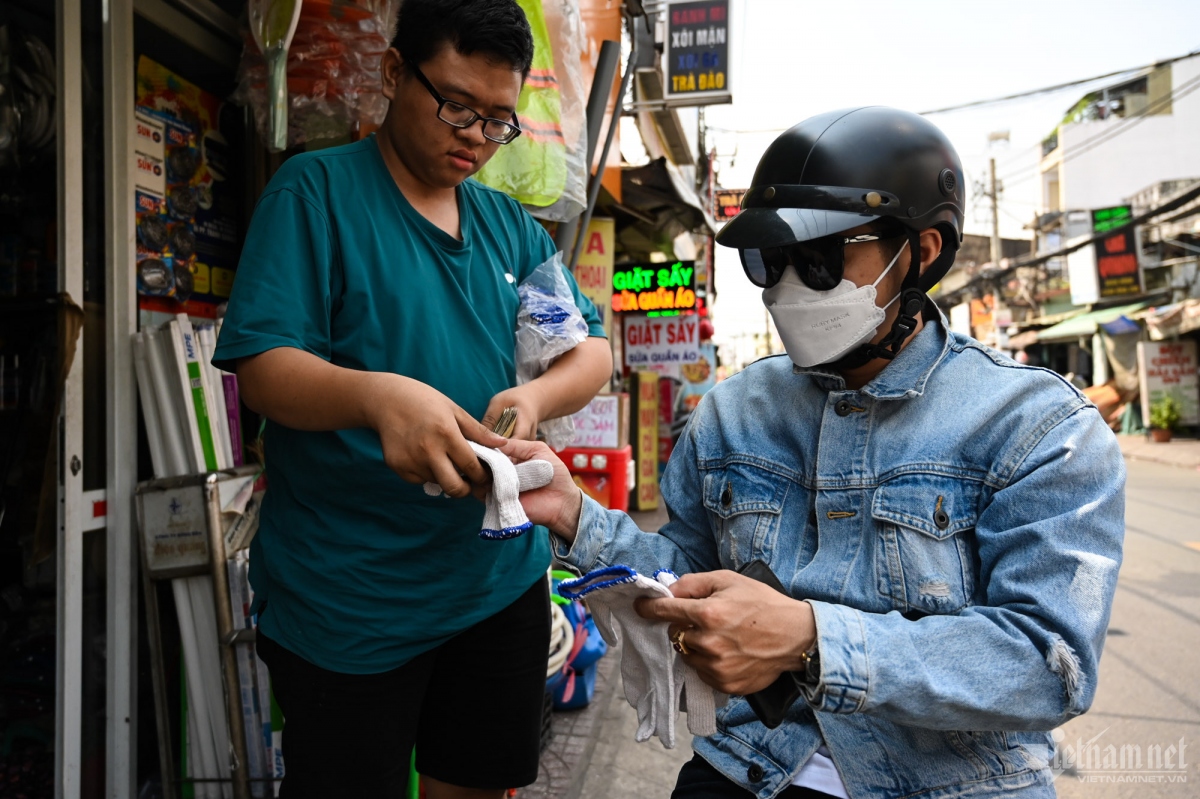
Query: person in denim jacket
x,y
947,524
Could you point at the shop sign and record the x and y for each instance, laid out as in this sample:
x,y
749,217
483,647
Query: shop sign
x,y
696,53
728,203
1081,272
1117,263
594,271
660,289
699,377
604,423
646,421
1168,368
981,313
672,341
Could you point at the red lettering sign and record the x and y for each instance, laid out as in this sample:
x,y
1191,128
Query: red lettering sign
x,y
1117,265
689,16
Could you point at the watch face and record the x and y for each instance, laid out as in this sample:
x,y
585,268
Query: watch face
x,y
812,667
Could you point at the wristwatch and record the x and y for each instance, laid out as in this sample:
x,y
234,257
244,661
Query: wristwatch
x,y
809,673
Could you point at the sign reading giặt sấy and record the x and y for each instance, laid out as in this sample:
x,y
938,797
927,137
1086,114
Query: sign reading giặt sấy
x,y
658,289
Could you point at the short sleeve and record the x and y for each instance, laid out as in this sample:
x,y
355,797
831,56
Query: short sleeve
x,y
541,249
283,293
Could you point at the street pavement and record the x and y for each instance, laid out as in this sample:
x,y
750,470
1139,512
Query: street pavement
x,y
1147,707
1149,695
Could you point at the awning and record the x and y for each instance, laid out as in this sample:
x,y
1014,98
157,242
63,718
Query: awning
x,y
657,204
1172,320
1022,340
1087,324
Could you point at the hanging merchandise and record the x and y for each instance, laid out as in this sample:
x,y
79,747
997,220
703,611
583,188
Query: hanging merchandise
x,y
27,89
273,23
539,169
332,72
184,206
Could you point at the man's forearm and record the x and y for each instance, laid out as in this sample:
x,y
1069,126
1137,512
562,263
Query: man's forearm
x,y
574,379
302,391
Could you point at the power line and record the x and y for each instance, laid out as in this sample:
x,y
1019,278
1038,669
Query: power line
x,y
1178,201
1104,136
1057,86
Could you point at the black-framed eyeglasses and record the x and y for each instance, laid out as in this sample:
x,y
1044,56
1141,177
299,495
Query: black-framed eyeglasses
x,y
457,115
819,262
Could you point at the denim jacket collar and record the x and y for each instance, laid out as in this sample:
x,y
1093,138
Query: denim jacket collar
x,y
906,376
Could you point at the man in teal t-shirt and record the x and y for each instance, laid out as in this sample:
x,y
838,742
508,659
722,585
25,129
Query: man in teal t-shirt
x,y
372,323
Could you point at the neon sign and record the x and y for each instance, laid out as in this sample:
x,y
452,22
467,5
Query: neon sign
x,y
654,287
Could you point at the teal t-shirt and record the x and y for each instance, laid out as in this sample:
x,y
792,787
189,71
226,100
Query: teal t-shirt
x,y
359,570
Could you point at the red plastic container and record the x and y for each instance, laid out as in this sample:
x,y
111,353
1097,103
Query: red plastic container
x,y
605,475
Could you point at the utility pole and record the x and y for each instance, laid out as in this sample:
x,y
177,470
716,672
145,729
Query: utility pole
x,y
993,193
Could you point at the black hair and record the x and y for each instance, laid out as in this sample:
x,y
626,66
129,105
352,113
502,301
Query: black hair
x,y
496,28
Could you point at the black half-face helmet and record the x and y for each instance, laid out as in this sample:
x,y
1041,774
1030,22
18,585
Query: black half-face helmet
x,y
842,169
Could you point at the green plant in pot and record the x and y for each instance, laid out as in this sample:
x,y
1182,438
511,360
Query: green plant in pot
x,y
1165,414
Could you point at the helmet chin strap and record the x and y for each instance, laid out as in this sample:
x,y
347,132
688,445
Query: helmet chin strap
x,y
912,300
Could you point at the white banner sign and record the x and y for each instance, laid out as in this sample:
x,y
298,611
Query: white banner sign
x,y
1168,368
599,424
668,341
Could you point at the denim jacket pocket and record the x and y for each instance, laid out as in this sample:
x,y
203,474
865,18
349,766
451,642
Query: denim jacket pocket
x,y
744,503
925,554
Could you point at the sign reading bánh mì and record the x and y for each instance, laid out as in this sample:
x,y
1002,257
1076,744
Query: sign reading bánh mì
x,y
697,53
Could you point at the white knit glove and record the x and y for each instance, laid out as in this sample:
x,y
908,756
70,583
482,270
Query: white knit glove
x,y
698,699
653,673
503,516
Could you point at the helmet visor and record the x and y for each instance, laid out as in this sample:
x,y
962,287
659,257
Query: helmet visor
x,y
760,228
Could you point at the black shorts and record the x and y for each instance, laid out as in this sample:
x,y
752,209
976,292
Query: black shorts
x,y
699,780
472,706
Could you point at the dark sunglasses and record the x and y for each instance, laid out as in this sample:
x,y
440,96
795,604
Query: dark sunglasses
x,y
457,115
818,262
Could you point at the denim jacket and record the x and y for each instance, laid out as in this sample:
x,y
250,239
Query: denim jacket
x,y
956,525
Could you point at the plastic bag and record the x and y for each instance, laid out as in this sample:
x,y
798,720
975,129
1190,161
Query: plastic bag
x,y
333,71
544,168
565,25
549,324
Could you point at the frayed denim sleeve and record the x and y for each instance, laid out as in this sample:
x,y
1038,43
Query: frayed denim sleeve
x,y
1026,655
685,544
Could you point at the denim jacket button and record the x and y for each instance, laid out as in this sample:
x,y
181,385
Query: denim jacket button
x,y
842,408
754,773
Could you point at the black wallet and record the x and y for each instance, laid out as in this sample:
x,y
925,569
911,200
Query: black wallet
x,y
771,703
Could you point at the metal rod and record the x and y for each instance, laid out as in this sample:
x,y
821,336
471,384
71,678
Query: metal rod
x,y
594,187
240,767
602,81
158,676
597,105
68,706
121,399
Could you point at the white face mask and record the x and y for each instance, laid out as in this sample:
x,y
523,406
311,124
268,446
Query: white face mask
x,y
821,326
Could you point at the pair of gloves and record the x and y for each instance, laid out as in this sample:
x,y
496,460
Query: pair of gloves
x,y
658,683
504,517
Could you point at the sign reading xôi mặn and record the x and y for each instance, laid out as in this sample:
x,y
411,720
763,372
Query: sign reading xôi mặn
x,y
696,53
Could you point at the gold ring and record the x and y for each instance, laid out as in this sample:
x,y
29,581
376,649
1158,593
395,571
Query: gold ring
x,y
677,642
